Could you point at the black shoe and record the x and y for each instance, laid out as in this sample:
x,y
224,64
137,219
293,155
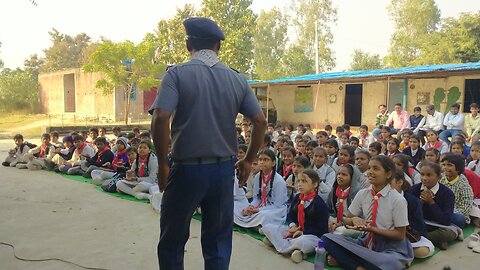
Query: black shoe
x,y
6,164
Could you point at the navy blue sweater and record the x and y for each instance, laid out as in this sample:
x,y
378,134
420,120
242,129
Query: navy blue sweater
x,y
415,214
418,156
442,210
107,156
316,216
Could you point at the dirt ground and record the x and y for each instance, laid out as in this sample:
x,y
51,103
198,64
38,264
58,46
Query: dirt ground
x,y
46,216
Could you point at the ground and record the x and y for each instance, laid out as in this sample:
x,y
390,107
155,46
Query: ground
x,y
46,216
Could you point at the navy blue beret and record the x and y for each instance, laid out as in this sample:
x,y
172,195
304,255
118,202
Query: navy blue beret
x,y
202,28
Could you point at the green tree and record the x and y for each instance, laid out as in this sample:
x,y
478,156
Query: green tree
x,y
237,21
18,91
33,64
270,38
295,62
125,66
1,61
415,22
65,52
170,37
311,14
464,35
364,61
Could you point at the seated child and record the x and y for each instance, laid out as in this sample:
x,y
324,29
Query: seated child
x,y
54,136
403,164
102,132
380,213
307,221
341,196
354,142
39,155
375,149
433,142
414,151
361,162
309,149
416,230
322,137
251,179
93,133
453,166
285,170
365,138
342,139
385,134
18,154
437,204
122,161
143,174
324,171
300,163
331,146
392,148
475,154
102,159
82,150
346,154
62,155
269,203
406,134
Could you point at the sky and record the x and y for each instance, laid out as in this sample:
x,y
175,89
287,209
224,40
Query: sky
x,y
24,27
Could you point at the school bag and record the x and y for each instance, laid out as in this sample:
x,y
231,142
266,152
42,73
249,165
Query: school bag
x,y
29,144
111,185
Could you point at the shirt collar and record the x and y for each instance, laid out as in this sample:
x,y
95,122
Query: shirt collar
x,y
208,57
434,189
385,190
451,183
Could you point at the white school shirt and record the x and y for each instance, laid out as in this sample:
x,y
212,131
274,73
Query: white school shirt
x,y
327,178
278,196
392,208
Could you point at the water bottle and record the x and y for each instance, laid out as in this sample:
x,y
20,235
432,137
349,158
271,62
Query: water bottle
x,y
320,256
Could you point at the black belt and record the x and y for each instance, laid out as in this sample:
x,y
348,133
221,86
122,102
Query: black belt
x,y
202,160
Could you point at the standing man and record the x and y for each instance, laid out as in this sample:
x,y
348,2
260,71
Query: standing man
x,y
472,124
433,121
454,123
204,97
398,119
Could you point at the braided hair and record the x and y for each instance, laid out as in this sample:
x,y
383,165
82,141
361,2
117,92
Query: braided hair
x,y
269,153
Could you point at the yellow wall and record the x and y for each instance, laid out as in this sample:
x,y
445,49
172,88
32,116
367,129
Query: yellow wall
x,y
89,101
374,93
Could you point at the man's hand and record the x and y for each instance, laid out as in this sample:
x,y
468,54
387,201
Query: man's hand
x,y
244,168
162,176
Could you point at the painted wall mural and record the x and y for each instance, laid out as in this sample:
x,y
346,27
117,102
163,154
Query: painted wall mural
x,y
452,96
303,100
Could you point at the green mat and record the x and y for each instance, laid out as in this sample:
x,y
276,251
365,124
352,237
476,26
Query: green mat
x,y
80,178
251,232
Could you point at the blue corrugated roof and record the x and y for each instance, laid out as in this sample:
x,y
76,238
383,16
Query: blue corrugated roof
x,y
377,72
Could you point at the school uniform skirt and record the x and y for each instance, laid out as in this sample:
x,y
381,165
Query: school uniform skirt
x,y
275,233
266,215
388,254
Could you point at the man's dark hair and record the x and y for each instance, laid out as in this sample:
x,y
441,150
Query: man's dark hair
x,y
455,105
18,137
200,44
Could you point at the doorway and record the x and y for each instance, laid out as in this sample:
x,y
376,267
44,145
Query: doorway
x,y
69,92
353,104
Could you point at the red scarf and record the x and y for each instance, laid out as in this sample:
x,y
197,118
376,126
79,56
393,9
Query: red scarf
x,y
100,153
369,242
80,150
142,162
264,188
364,140
341,199
301,208
115,159
287,170
42,150
437,145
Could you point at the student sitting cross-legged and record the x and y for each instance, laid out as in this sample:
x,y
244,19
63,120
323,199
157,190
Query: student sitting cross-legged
x,y
38,156
82,150
307,220
102,159
143,174
17,155
269,203
380,214
120,164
